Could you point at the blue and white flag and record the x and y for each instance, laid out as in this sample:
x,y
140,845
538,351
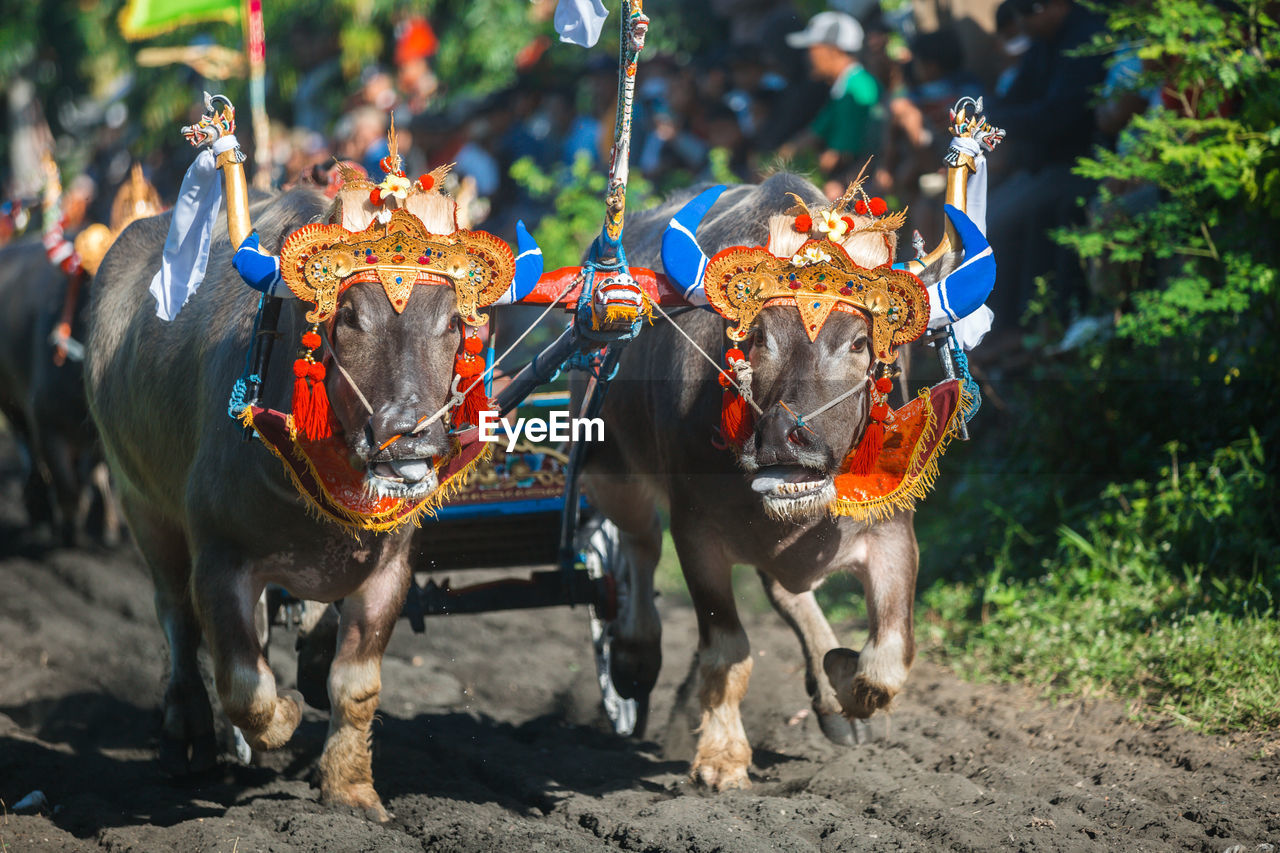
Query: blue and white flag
x,y
580,21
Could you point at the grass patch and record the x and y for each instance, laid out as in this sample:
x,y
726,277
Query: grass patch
x,y
1162,594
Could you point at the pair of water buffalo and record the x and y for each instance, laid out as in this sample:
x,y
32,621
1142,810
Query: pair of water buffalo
x,y
217,519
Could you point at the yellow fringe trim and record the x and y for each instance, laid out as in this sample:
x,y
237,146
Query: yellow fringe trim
x,y
621,313
913,488
354,522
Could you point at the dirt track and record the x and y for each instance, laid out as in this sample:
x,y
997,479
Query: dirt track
x,y
490,740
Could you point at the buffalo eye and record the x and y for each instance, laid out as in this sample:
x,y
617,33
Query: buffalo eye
x,y
348,317
455,324
859,343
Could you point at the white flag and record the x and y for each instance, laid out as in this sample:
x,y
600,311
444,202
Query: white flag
x,y
186,247
580,21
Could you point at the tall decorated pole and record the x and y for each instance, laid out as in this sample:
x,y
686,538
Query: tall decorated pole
x,y
634,28
956,304
230,163
255,40
218,171
612,306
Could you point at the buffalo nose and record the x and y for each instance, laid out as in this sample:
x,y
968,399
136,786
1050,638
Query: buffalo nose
x,y
779,437
390,422
800,435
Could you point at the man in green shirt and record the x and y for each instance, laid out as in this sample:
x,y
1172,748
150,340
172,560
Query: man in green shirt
x,y
846,126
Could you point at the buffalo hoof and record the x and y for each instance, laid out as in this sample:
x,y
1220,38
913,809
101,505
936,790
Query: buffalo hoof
x,y
858,696
360,798
720,776
837,729
285,716
181,758
634,667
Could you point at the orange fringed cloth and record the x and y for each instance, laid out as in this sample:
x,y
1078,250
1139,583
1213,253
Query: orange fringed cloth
x,y
916,436
334,490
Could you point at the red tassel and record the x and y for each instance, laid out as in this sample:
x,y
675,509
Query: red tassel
x,y
311,415
868,452
475,401
736,419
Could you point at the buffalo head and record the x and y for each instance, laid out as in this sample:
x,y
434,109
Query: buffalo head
x,y
815,311
791,456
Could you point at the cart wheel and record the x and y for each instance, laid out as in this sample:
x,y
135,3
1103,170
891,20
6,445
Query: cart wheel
x,y
598,541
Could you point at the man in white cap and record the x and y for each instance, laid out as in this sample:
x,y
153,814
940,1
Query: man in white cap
x,y
845,126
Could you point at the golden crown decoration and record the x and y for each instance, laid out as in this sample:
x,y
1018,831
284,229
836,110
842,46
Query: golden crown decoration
x,y
740,282
319,262
398,233
814,274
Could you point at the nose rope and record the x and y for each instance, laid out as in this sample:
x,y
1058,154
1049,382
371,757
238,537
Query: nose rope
x,y
802,421
745,392
455,399
457,396
835,401
333,354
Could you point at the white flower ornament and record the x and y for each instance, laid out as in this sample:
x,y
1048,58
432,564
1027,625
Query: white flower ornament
x,y
832,224
811,254
395,185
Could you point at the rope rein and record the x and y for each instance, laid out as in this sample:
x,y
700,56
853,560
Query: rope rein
x,y
746,393
333,354
742,381
835,401
457,396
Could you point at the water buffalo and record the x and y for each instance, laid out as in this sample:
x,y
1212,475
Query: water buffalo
x,y
43,401
766,507
217,518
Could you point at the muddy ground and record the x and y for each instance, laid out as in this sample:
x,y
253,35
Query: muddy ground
x,y
489,739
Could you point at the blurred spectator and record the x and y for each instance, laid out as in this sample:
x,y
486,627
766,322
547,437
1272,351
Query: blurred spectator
x,y
1013,44
416,42
845,127
916,132
1048,112
1048,104
789,67
360,135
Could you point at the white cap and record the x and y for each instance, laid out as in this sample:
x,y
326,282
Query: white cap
x,y
834,28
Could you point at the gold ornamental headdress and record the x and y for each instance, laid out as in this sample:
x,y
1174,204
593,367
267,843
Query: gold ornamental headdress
x,y
846,266
398,233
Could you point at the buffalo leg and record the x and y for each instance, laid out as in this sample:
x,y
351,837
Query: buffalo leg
x,y
724,659
226,597
101,478
60,459
355,682
187,742
867,681
804,616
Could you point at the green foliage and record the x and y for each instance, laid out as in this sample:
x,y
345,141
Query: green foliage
x,y
577,194
1059,548
1162,593
1202,252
